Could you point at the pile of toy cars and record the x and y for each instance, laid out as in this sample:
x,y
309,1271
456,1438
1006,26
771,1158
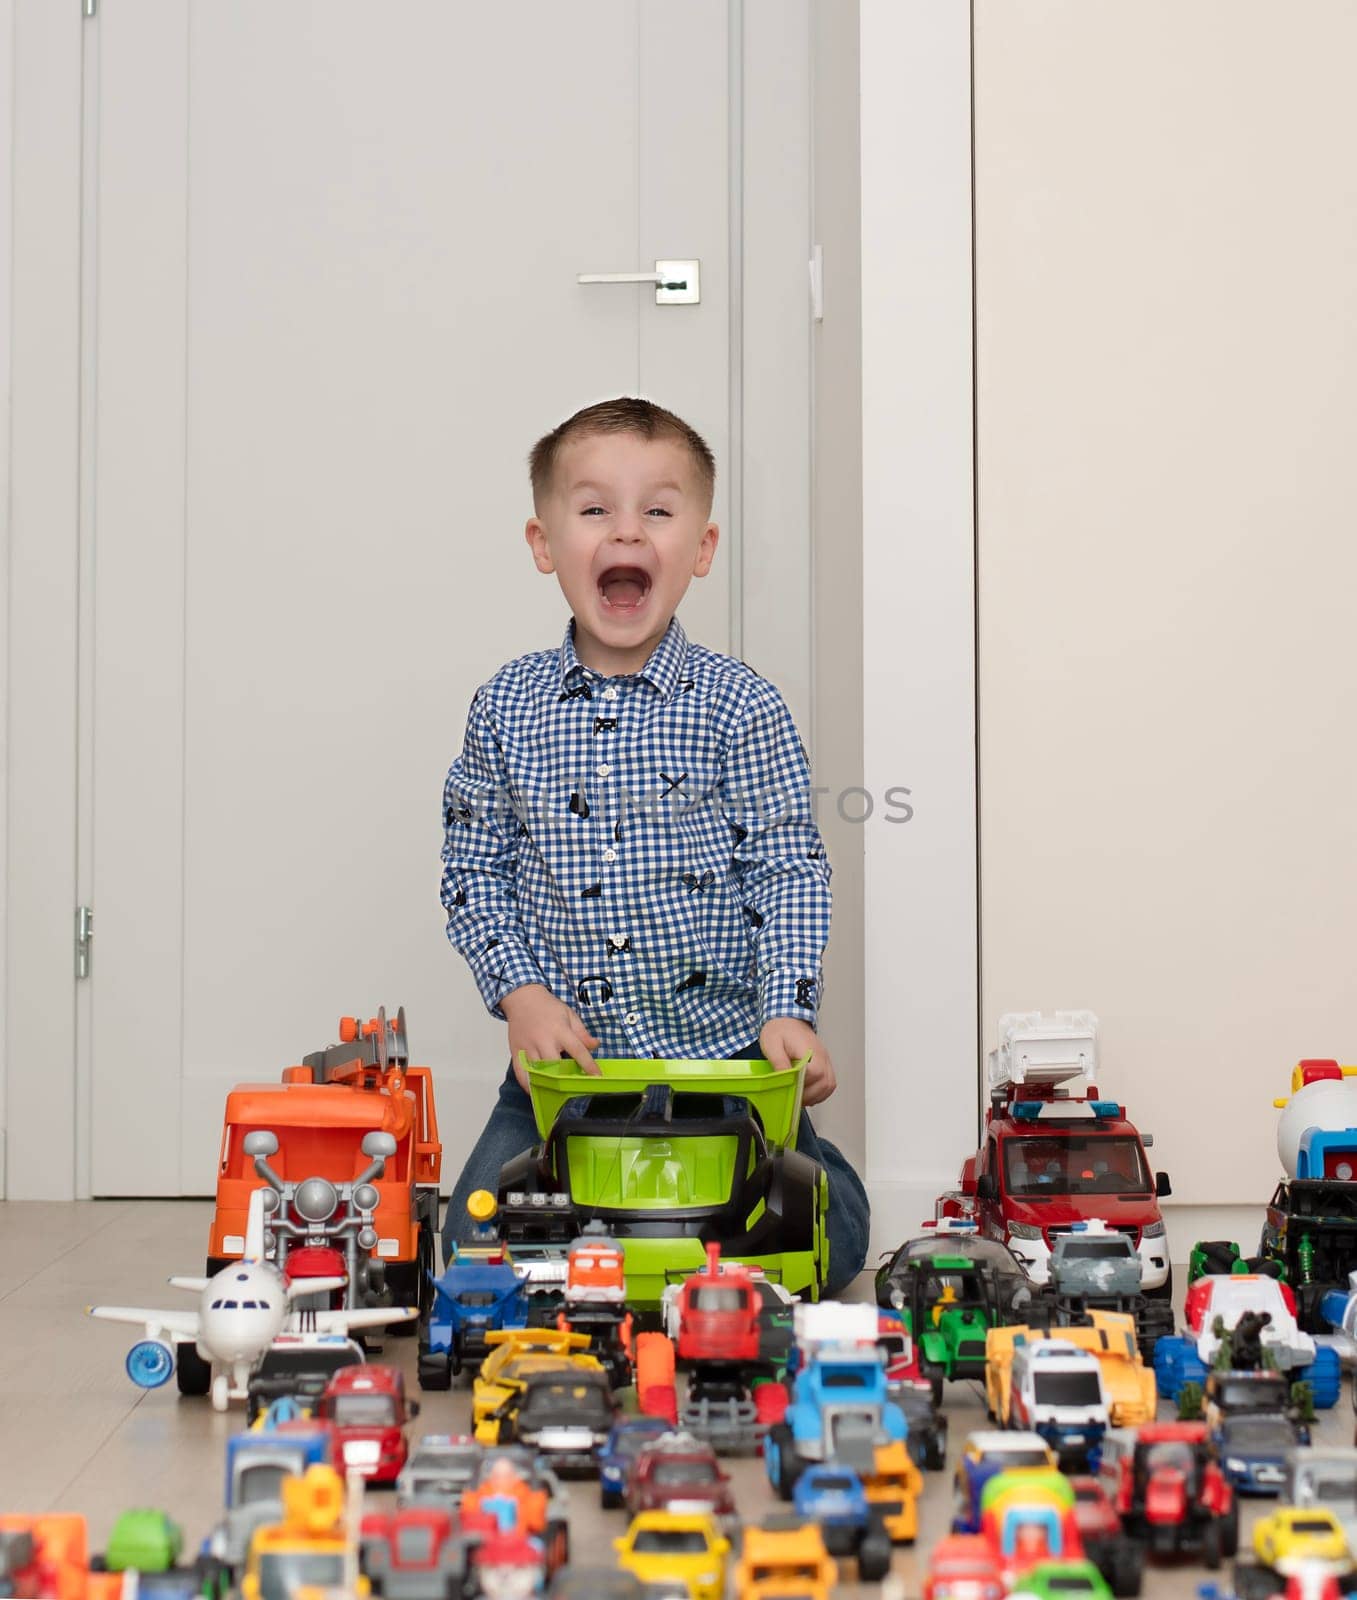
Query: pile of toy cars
x,y
641,1299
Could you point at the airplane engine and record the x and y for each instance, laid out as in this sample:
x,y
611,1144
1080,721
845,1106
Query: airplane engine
x,y
150,1362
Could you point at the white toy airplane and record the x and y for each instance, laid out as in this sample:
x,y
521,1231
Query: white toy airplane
x,y
242,1309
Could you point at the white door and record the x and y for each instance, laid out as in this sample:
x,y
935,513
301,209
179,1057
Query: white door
x,y
337,256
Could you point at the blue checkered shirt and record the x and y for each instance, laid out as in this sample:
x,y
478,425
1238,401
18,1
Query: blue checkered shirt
x,y
643,845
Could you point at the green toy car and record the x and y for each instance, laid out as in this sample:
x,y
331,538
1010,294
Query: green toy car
x,y
148,1541
671,1156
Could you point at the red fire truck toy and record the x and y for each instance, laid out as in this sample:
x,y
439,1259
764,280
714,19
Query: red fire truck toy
x,y
1055,1153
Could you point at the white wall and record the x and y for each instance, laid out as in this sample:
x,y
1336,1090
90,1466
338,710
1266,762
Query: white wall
x,y
6,250
1167,352
917,604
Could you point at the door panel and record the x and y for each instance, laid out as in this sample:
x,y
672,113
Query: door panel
x,y
338,251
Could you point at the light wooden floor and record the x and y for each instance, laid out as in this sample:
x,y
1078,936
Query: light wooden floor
x,y
76,1435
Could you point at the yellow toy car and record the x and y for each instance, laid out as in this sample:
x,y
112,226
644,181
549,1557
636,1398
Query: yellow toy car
x,y
308,1548
1293,1534
779,1560
893,1487
676,1546
515,1353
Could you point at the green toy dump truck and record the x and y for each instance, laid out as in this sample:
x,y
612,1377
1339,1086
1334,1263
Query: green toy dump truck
x,y
671,1156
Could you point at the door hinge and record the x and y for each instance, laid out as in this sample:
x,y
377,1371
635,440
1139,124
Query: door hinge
x,y
84,938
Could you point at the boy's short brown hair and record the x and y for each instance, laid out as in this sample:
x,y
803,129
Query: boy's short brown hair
x,y
627,414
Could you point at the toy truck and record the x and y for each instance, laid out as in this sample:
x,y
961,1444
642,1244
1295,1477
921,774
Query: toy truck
x,y
1128,1384
1028,1518
256,1464
595,1301
1310,1228
309,1547
670,1155
833,1499
475,1295
414,1553
1169,1490
320,1115
731,1395
1096,1267
840,1411
784,1557
1055,1153
1052,1388
1240,1320
367,1412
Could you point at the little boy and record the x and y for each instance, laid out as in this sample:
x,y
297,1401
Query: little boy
x,y
630,864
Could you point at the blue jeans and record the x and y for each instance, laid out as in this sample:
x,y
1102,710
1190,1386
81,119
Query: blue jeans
x,y
511,1130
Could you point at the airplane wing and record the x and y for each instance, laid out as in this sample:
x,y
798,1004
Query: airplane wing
x,y
301,1286
376,1317
197,1285
181,1326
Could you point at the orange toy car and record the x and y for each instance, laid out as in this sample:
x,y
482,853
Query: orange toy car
x,y
47,1558
312,1128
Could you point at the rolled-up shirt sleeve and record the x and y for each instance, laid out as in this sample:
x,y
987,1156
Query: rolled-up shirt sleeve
x,y
481,831
779,858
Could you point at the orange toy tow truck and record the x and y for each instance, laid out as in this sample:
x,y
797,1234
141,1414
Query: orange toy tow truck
x,y
348,1141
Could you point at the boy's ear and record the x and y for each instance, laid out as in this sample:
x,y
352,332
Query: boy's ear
x,y
706,550
536,536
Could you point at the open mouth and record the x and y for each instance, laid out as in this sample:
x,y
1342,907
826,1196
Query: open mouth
x,y
623,590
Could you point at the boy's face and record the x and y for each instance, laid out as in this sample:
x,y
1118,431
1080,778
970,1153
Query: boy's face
x,y
624,526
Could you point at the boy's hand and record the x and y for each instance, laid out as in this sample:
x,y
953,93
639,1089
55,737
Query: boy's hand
x,y
546,1028
784,1040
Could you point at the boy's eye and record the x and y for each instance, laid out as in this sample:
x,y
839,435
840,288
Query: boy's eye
x,y
592,511
658,511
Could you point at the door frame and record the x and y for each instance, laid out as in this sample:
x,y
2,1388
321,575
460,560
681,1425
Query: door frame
x,y
46,735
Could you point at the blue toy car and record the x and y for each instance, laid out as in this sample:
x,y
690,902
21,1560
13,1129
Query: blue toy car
x,y
472,1298
627,1439
1253,1445
834,1497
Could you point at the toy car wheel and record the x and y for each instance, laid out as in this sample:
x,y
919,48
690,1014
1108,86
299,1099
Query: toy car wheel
x,y
1128,1569
609,1499
1212,1545
194,1375
874,1557
557,1543
1324,1375
935,1447
780,1452
1229,1532
435,1372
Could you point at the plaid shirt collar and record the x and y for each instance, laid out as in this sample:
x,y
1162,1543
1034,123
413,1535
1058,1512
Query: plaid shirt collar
x,y
666,664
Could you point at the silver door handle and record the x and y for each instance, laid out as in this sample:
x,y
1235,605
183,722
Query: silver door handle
x,y
677,283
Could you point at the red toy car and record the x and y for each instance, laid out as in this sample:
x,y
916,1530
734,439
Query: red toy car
x,y
962,1567
1169,1490
678,1473
1119,1557
1055,1153
366,1409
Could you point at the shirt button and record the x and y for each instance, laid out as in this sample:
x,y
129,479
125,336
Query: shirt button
x,y
610,854
603,769
632,1017
610,693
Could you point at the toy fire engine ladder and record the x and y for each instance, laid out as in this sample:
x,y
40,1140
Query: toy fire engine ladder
x,y
367,1051
1044,1056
